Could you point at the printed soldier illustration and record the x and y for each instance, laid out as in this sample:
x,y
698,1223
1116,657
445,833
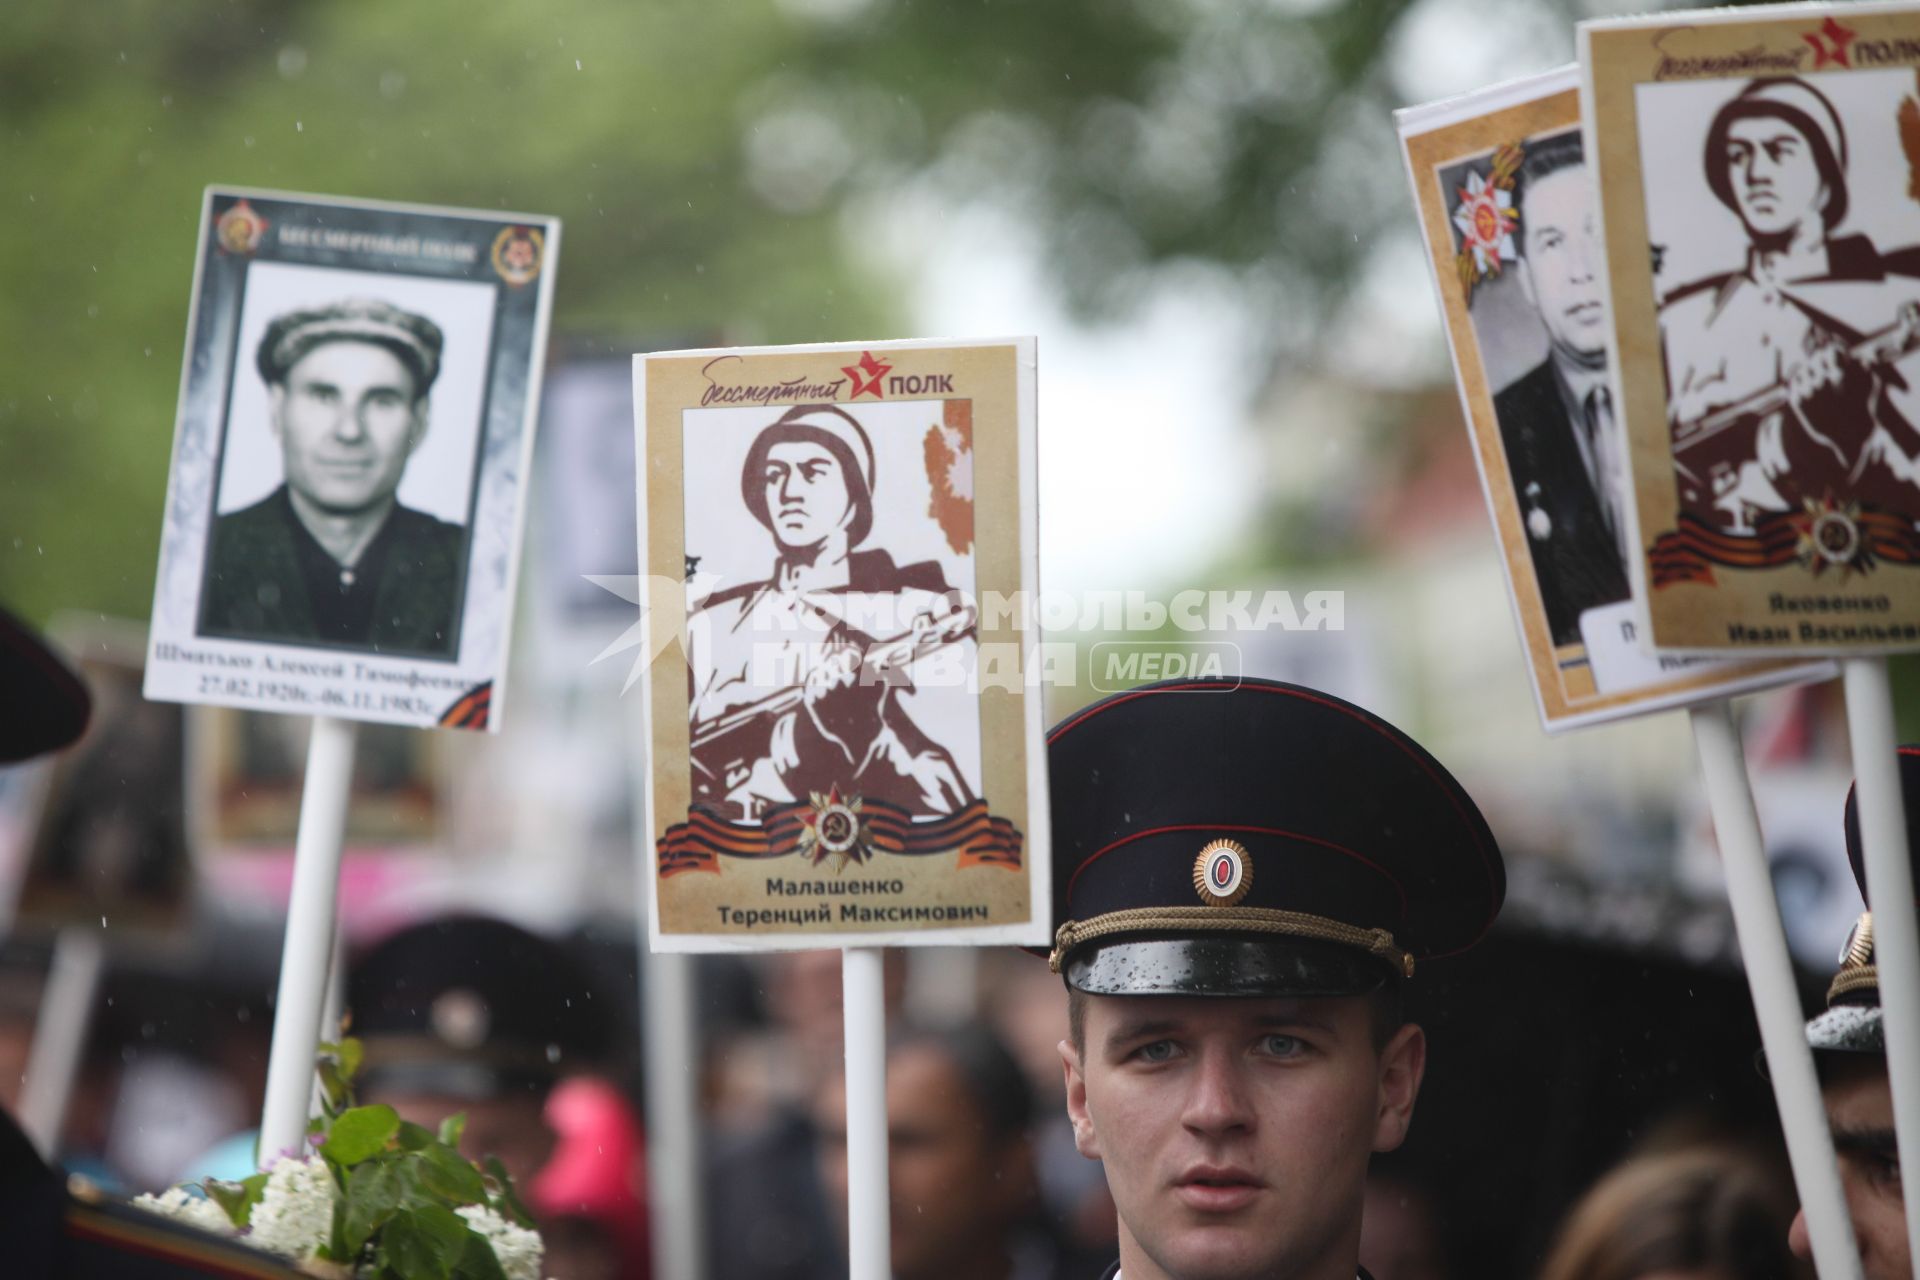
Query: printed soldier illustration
x,y
1557,424
796,681
1786,377
331,556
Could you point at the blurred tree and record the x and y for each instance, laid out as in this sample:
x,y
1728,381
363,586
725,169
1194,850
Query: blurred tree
x,y
700,155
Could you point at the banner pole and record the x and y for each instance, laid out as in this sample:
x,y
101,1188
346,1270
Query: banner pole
x,y
307,955
60,1034
1776,1001
1896,939
863,999
673,1116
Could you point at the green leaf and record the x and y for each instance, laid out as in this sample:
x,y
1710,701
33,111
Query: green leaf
x,y
453,1128
478,1262
448,1174
508,1200
335,1096
413,1137
375,1192
359,1133
405,1251
432,1238
237,1198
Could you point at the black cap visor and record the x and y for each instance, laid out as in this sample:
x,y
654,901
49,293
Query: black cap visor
x,y
1222,964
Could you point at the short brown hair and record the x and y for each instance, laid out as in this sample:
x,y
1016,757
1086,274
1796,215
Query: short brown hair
x,y
1705,1209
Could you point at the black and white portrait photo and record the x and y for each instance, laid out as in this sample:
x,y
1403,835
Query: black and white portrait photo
x,y
356,424
1787,268
829,638
340,397
1542,330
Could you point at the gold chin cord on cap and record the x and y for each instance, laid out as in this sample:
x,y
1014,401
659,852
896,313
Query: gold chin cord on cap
x,y
1857,970
1260,920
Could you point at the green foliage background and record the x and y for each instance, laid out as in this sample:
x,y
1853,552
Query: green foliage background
x,y
700,155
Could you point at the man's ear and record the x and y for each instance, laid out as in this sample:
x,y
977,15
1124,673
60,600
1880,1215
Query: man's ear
x,y
419,430
276,406
1085,1140
1402,1065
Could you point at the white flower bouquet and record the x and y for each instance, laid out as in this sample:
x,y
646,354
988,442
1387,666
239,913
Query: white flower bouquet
x,y
377,1198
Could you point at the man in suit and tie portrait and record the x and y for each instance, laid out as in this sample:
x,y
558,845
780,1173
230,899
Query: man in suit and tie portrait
x,y
1556,420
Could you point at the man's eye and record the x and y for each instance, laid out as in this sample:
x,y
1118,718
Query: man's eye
x,y
1282,1046
384,399
325,395
1158,1051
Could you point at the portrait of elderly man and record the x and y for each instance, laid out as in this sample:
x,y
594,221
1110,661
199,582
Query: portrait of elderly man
x,y
1784,377
331,557
796,680
1557,424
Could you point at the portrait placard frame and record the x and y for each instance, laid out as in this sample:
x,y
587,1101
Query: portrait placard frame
x,y
1748,544
439,313
928,452
1582,655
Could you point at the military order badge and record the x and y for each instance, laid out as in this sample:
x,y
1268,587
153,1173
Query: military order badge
x,y
840,550
1760,172
1506,206
356,418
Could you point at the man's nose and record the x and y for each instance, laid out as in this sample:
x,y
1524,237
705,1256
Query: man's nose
x,y
1580,261
350,423
1798,1239
1218,1101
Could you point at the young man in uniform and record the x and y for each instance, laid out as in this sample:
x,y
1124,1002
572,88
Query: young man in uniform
x,y
1244,876
1850,1050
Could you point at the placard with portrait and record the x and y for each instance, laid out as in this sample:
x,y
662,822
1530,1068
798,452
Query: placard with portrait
x,y
356,418
1758,170
1505,195
838,546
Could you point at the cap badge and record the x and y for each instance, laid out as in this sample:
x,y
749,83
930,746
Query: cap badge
x,y
1222,873
460,1018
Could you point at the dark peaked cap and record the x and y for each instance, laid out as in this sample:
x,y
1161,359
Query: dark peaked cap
x,y
1257,838
43,705
1852,1022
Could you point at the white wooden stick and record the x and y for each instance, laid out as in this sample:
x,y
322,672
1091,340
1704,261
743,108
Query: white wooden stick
x,y
673,1117
863,999
1896,940
1776,1002
307,955
60,1034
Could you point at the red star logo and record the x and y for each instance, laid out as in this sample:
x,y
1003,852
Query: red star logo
x,y
1832,49
866,376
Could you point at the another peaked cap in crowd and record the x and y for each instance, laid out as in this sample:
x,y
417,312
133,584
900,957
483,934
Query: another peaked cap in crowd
x,y
468,1006
413,339
43,705
1257,838
1852,1023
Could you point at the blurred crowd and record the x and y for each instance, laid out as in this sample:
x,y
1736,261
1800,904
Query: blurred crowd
x,y
536,1040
